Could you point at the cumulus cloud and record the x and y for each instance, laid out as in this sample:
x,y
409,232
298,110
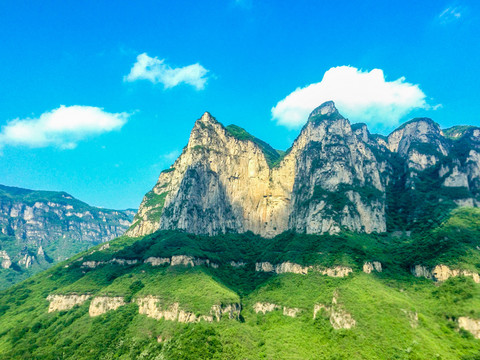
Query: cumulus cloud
x,y
450,14
156,71
63,127
362,96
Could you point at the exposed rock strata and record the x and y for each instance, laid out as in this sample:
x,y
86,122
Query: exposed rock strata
x,y
101,304
443,273
5,260
184,260
44,227
334,177
288,267
93,264
266,307
470,325
368,267
220,183
151,306
338,316
65,302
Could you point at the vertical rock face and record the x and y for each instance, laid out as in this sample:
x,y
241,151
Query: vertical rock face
x,y
452,161
221,183
414,137
334,177
38,219
101,304
39,228
65,302
470,325
5,260
218,184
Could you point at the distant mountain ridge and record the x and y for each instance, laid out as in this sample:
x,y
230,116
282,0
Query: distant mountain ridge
x,y
336,176
39,228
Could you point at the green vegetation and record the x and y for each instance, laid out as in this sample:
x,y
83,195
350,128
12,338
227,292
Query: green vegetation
x,y
397,315
272,156
168,170
428,120
60,236
456,132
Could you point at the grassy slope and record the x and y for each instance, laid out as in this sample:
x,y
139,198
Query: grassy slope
x,y
380,303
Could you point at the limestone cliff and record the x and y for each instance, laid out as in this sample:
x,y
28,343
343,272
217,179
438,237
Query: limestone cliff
x,y
336,176
39,228
222,183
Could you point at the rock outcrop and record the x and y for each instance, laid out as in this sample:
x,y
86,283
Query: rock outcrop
x,y
44,227
151,306
338,316
443,273
184,260
288,267
65,302
333,178
266,307
285,267
101,304
470,325
221,183
93,264
368,267
5,260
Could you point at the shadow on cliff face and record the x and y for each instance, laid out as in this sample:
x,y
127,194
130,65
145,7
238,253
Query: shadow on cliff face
x,y
201,205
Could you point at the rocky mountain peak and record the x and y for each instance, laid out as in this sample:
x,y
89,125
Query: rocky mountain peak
x,y
207,118
326,109
417,131
334,177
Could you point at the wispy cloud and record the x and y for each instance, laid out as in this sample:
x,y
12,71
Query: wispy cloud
x,y
360,95
63,127
450,14
156,71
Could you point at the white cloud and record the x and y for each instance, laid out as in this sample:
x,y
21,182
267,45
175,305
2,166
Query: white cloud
x,y
362,96
156,71
62,127
449,15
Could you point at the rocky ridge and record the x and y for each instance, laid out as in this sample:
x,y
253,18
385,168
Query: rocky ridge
x,y
39,228
336,176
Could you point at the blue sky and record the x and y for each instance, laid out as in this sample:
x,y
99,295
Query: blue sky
x,y
76,115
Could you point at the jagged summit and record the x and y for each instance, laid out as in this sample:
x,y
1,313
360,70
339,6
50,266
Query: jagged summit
x,y
326,111
206,119
333,178
327,108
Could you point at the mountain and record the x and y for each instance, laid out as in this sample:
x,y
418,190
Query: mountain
x,y
335,177
40,228
174,295
350,245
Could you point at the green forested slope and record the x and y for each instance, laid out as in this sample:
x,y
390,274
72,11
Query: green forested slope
x,y
397,316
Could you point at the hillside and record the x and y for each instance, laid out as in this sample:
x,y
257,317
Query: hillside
x,y
41,228
173,295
